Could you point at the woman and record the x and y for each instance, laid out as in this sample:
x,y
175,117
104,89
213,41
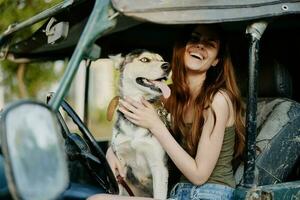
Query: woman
x,y
206,117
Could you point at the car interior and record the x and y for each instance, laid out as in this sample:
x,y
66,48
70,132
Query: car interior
x,y
278,96
278,109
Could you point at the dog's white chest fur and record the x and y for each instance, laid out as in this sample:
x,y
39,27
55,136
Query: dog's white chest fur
x,y
142,156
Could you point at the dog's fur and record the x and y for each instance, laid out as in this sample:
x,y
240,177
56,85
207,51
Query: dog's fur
x,y
140,153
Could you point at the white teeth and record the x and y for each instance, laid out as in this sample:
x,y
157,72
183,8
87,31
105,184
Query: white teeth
x,y
197,55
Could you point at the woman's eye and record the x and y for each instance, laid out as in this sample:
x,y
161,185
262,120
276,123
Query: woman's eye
x,y
212,44
145,60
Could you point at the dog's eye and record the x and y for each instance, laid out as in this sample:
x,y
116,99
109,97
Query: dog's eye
x,y
145,60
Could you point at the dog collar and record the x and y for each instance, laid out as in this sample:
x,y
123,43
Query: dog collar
x,y
163,114
112,107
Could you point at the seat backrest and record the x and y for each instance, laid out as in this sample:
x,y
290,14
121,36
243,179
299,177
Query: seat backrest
x,y
274,80
278,125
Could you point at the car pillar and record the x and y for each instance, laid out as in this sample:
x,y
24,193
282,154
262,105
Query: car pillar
x,y
255,32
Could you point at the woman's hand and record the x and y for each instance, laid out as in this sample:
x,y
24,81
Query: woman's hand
x,y
114,163
142,114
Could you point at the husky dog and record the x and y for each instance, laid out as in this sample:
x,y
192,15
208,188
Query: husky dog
x,y
143,158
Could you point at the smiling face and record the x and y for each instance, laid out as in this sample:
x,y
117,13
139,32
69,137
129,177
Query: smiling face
x,y
201,50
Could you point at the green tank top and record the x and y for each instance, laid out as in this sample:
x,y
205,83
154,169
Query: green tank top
x,y
223,172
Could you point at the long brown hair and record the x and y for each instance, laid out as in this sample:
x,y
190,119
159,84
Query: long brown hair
x,y
218,78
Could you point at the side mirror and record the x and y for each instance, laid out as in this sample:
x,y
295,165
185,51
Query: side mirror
x,y
35,160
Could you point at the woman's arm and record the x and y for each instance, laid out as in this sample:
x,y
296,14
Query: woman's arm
x,y
114,163
198,169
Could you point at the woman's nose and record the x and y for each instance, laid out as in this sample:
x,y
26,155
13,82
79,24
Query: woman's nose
x,y
200,45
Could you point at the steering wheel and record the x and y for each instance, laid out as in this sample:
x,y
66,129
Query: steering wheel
x,y
87,149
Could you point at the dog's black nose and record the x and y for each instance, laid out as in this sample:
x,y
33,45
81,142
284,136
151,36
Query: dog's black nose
x,y
165,66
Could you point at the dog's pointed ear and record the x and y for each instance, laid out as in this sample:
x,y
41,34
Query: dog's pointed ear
x,y
117,60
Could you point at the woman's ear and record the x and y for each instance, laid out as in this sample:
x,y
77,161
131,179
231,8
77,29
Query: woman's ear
x,y
216,61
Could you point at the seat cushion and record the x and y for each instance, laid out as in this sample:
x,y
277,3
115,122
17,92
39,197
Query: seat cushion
x,y
278,140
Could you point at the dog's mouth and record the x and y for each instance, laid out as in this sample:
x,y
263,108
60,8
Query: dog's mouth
x,y
156,85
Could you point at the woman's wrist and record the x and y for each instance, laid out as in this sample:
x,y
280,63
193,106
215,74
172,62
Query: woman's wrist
x,y
158,129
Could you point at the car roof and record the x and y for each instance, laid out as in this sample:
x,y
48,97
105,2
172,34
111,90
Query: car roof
x,y
140,24
213,11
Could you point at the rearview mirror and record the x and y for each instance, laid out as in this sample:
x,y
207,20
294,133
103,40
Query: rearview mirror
x,y
35,161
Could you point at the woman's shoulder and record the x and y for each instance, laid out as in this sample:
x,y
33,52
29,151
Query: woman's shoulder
x,y
223,104
222,96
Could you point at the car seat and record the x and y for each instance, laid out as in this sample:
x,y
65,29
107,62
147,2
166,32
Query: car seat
x,y
278,127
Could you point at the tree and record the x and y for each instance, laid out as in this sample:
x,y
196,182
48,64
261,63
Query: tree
x,y
24,80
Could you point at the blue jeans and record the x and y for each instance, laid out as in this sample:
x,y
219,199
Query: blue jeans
x,y
207,191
